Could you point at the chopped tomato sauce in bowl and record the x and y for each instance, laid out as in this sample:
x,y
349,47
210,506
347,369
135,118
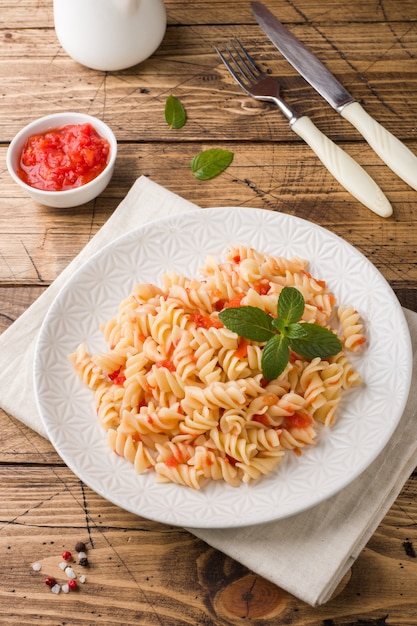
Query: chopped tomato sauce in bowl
x,y
63,160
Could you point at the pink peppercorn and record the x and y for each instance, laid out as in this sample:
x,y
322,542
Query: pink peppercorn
x,y
50,581
66,555
72,584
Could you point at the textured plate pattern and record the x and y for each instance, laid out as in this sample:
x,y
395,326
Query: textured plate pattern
x,y
367,417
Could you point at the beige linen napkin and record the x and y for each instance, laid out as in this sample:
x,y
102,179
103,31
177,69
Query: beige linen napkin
x,y
307,554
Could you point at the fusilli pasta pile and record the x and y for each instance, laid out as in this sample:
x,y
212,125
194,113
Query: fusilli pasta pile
x,y
180,394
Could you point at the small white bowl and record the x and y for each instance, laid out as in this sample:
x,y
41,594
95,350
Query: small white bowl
x,y
68,197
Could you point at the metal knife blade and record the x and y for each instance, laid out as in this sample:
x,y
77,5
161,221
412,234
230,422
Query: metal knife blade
x,y
304,61
390,149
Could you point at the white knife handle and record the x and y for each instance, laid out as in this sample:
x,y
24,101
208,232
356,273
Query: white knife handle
x,y
345,169
390,149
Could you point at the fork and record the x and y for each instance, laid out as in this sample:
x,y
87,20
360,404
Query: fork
x,y
343,167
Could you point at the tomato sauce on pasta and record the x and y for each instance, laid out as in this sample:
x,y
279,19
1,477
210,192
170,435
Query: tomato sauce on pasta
x,y
182,396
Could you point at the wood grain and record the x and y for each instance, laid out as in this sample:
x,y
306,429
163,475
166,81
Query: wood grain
x,y
186,64
142,572
38,14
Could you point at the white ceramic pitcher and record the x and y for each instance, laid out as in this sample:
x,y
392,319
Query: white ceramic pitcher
x,y
109,35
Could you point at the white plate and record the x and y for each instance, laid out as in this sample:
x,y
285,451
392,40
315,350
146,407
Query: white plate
x,y
366,418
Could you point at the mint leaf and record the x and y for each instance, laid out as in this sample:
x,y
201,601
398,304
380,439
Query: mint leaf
x,y
289,330
249,322
317,342
282,333
211,163
291,305
175,115
275,357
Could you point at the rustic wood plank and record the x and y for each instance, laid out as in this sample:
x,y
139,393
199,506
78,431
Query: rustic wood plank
x,y
21,444
132,101
27,14
268,174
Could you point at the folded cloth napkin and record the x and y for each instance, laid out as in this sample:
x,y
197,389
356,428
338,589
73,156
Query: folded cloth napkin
x,y
307,554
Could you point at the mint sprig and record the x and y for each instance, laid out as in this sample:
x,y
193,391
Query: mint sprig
x,y
282,333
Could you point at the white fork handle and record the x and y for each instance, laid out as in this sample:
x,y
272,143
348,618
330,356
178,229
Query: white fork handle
x,y
345,169
390,149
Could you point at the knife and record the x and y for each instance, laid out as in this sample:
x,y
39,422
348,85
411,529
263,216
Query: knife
x,y
390,149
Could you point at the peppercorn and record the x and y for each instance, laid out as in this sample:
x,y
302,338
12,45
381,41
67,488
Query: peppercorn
x,y
66,555
72,584
83,561
50,581
80,546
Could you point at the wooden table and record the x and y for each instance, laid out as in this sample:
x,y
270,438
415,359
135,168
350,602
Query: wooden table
x,y
143,572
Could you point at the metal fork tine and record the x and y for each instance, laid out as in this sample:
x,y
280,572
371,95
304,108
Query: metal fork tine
x,y
244,55
228,63
239,63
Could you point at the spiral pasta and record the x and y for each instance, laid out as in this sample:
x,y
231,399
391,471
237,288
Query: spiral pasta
x,y
184,397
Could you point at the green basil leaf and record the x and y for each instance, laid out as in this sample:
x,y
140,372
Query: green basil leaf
x,y
249,322
275,356
175,115
291,305
211,163
317,342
